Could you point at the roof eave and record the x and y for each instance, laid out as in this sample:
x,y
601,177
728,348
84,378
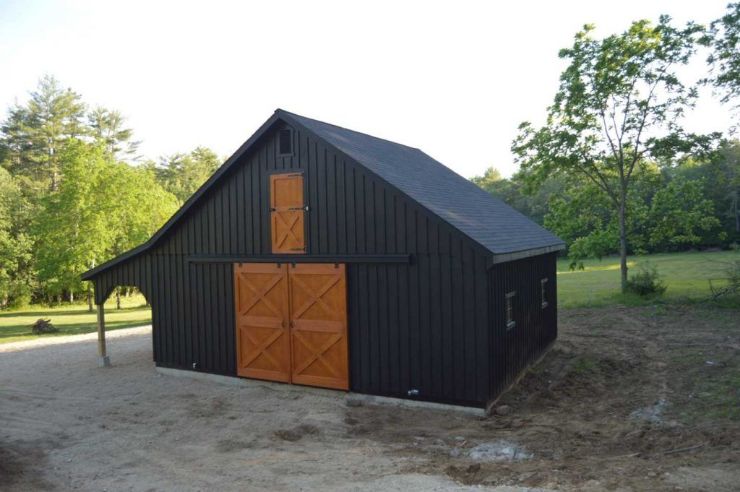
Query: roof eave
x,y
526,253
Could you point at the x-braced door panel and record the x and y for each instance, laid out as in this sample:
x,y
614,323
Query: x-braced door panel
x,y
262,331
287,209
292,323
318,319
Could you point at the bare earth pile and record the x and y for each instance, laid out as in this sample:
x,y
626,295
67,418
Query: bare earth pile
x,y
628,399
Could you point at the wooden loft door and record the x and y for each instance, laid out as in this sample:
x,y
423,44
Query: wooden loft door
x,y
292,323
287,209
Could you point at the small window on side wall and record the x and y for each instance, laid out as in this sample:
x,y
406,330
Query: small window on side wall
x,y
543,292
510,323
285,142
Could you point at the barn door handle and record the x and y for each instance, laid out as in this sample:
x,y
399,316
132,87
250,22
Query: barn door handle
x,y
292,209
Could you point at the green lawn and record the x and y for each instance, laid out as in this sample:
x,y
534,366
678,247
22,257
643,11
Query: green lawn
x,y
73,319
687,276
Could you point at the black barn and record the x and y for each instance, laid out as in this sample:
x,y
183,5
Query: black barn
x,y
322,256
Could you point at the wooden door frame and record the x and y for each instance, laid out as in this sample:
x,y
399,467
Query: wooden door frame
x,y
288,317
307,208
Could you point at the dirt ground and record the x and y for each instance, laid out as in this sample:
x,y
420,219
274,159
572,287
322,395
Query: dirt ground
x,y
628,399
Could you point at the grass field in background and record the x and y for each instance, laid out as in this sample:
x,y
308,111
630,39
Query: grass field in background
x,y
687,276
73,319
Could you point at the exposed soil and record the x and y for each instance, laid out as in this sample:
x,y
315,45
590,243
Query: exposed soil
x,y
627,399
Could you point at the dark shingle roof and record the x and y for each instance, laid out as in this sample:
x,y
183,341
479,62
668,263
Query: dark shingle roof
x,y
500,229
505,232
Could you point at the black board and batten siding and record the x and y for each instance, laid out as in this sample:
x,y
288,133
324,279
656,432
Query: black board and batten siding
x,y
426,304
535,323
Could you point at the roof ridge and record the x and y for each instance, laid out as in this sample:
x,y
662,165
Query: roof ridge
x,y
283,111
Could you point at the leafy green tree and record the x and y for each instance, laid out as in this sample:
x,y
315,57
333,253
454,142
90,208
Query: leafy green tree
x,y
108,207
532,202
15,244
664,213
721,174
137,207
619,103
72,233
490,179
680,216
723,37
183,174
34,135
107,126
585,218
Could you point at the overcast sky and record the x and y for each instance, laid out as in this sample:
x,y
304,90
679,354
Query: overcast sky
x,y
453,78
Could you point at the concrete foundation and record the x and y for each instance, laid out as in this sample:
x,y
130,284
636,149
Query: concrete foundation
x,y
355,398
104,361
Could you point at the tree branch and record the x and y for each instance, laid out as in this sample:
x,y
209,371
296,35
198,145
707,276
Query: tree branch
x,y
646,110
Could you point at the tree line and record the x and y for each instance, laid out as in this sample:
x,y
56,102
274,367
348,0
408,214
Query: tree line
x,y
74,193
613,170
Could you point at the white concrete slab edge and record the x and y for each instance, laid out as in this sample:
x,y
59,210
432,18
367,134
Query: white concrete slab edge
x,y
356,398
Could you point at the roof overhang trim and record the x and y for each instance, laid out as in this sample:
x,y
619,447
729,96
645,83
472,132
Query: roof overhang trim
x,y
528,253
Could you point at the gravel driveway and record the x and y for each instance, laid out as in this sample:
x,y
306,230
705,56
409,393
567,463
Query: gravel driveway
x,y
68,424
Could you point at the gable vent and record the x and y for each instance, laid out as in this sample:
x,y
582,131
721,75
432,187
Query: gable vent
x,y
285,142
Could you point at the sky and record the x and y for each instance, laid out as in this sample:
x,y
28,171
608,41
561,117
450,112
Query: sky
x,y
453,78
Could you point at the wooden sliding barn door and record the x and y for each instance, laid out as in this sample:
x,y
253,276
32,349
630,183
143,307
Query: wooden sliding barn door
x,y
262,328
318,318
292,323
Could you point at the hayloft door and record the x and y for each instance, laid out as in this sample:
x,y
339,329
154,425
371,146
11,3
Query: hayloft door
x,y
287,209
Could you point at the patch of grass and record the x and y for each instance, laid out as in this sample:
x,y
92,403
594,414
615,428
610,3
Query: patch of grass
x,y
583,365
73,319
711,388
686,276
720,397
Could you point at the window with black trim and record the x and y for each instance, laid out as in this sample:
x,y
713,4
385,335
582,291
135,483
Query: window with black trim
x,y
285,142
510,323
543,292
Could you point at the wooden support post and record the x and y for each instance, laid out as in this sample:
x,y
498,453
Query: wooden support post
x,y
103,359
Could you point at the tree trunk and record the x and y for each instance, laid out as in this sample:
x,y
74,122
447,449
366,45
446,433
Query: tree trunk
x,y
71,297
623,241
89,297
118,298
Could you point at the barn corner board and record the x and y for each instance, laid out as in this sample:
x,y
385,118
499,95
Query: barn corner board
x,y
322,256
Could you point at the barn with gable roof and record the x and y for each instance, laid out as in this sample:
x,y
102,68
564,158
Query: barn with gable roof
x,y
321,256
